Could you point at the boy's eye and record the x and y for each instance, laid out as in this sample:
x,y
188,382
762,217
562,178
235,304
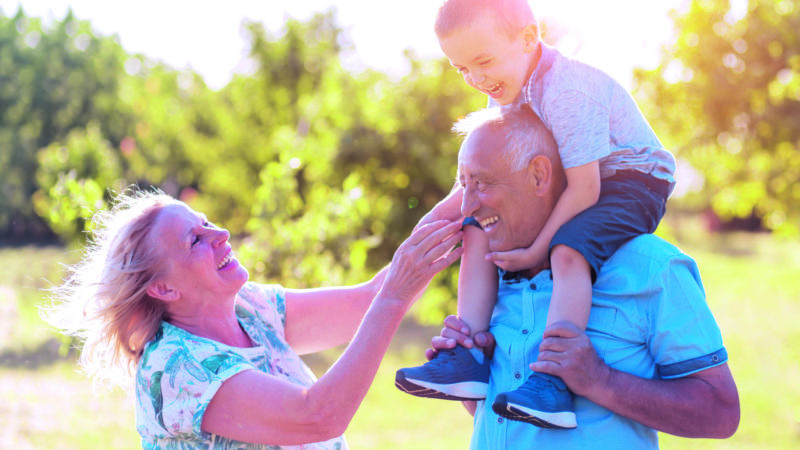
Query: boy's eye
x,y
485,63
196,240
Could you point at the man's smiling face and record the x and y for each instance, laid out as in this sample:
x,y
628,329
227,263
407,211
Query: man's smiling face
x,y
504,201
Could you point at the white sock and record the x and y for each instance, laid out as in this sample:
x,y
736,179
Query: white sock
x,y
477,354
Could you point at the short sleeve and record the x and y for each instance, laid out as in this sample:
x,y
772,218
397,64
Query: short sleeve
x,y
685,337
178,382
580,127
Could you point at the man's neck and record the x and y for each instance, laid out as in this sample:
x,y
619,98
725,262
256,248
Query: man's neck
x,y
533,271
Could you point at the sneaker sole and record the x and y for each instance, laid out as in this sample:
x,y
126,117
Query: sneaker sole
x,y
466,391
560,420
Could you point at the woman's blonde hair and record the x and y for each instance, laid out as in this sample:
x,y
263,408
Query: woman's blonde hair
x,y
103,300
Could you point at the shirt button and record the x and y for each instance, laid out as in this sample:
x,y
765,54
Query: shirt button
x,y
499,420
715,358
517,375
533,286
525,331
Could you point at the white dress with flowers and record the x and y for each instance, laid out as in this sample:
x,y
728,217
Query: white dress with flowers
x,y
179,373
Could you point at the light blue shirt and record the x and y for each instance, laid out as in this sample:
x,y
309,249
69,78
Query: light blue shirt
x,y
593,118
649,318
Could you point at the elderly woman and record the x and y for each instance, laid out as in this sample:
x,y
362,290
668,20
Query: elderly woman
x,y
159,293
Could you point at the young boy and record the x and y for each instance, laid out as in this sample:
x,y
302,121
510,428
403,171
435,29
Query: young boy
x,y
613,162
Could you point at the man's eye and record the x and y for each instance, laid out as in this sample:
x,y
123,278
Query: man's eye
x,y
196,240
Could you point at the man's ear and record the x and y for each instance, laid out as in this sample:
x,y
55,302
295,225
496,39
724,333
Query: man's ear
x,y
541,174
530,37
163,291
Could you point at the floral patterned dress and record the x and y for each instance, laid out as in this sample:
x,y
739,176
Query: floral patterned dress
x,y
179,373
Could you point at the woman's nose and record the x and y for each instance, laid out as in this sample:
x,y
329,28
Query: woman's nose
x,y
221,236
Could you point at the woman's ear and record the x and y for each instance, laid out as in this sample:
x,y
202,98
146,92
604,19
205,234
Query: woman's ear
x,y
163,291
541,174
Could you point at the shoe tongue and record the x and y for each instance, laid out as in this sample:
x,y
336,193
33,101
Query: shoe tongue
x,y
552,379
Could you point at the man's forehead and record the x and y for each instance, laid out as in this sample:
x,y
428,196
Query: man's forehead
x,y
481,147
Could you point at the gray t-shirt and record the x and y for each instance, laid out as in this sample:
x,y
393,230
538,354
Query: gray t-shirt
x,y
593,118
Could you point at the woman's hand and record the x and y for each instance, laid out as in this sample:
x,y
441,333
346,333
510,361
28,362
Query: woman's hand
x,y
424,254
449,208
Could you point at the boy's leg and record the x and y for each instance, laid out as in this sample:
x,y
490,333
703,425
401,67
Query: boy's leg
x,y
572,287
477,281
461,373
627,208
544,400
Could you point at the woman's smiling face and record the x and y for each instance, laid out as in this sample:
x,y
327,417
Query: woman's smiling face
x,y
197,255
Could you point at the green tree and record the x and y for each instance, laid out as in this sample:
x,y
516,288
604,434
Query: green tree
x,y
73,178
728,93
52,81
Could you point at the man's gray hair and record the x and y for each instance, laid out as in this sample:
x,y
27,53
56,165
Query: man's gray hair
x,y
526,135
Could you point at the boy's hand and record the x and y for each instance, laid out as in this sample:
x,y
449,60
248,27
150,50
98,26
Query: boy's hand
x,y
519,258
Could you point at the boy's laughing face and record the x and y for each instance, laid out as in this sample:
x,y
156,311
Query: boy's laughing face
x,y
490,60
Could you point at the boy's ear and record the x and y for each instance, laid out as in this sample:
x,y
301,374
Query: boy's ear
x,y
530,37
163,291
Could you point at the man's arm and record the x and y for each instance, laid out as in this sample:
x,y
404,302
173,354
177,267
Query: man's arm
x,y
701,405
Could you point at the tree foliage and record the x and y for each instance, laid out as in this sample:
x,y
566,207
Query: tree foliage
x,y
52,81
728,93
320,171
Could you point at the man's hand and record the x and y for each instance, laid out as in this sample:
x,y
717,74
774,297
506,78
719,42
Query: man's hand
x,y
566,352
519,258
455,331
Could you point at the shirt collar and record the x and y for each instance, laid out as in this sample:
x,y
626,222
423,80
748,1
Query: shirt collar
x,y
546,56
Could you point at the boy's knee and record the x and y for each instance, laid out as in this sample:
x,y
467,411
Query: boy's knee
x,y
563,258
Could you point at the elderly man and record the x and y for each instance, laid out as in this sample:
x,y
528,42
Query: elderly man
x,y
651,358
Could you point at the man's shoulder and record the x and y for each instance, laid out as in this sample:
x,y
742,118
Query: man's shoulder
x,y
646,249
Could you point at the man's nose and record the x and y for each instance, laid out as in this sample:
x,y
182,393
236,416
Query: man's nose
x,y
469,202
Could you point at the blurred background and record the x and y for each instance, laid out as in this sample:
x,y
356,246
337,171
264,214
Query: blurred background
x,y
319,133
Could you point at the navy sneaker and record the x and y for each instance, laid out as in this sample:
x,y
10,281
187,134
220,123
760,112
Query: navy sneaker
x,y
453,374
543,400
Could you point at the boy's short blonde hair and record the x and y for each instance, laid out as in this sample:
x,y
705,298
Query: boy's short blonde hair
x,y
511,15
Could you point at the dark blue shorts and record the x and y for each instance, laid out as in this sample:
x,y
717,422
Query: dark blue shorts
x,y
631,203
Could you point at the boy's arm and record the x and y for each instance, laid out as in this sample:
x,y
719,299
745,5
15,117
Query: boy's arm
x,y
583,190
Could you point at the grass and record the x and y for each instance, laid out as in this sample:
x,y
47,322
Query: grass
x,y
752,285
